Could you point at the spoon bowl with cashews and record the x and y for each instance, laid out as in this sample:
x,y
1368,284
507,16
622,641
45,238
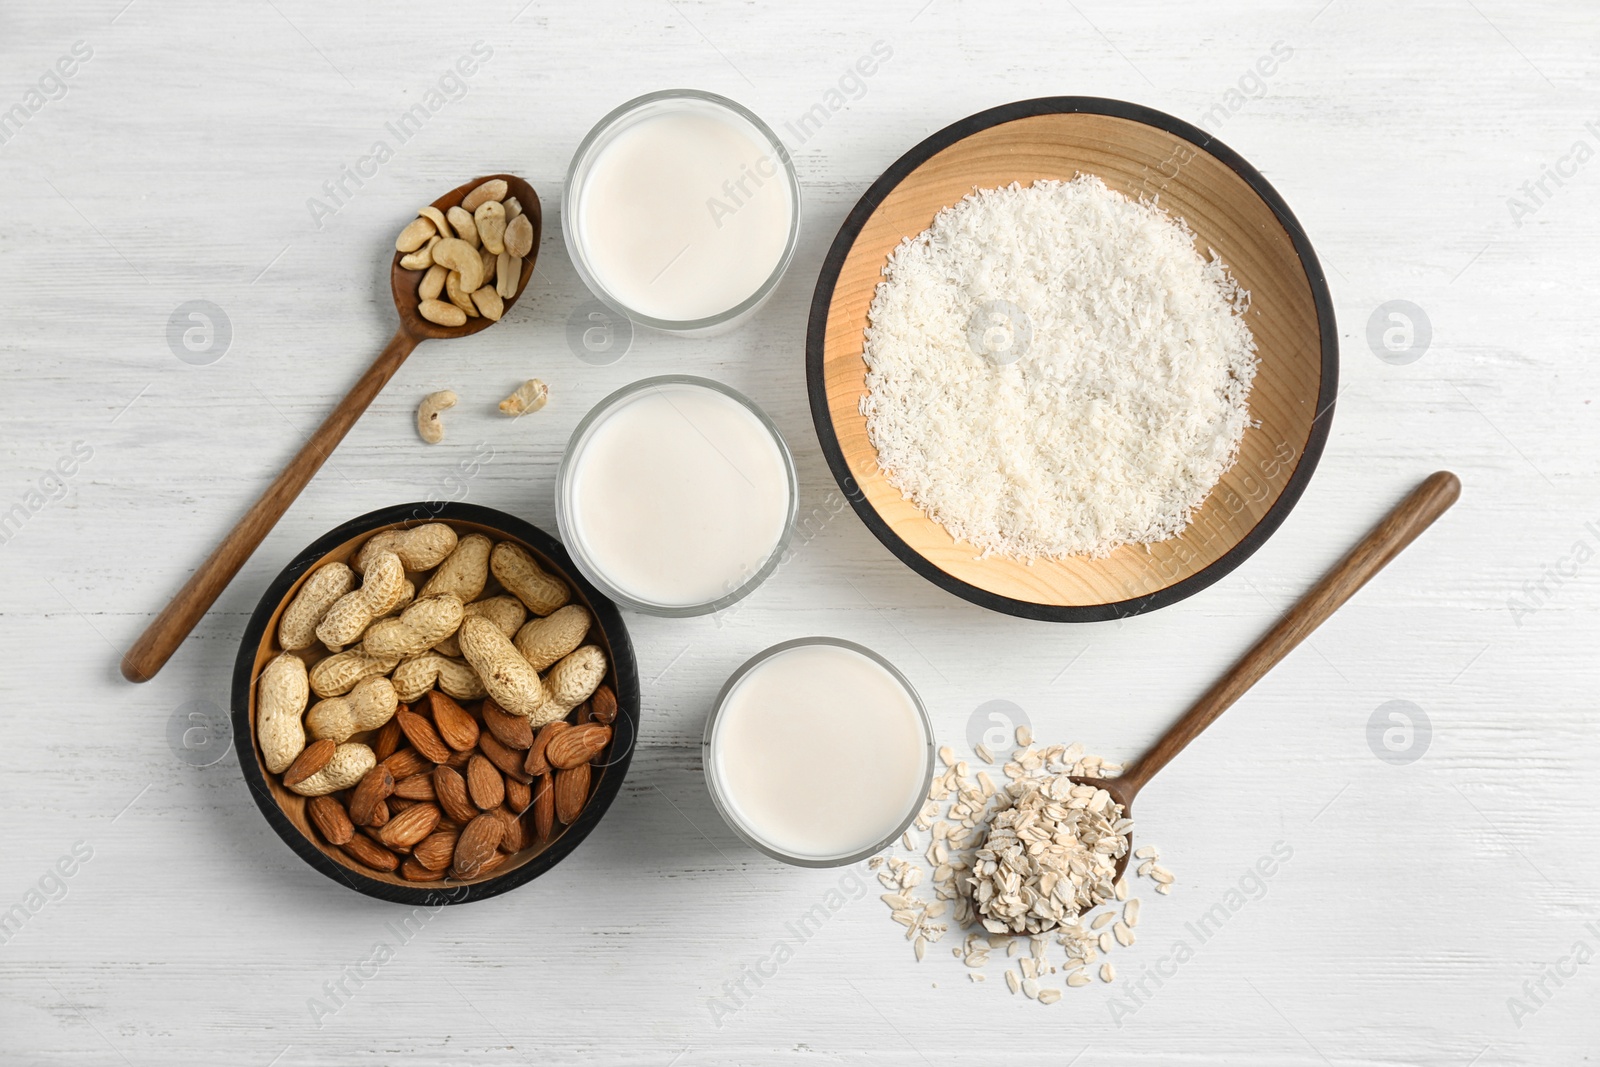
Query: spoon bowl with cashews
x,y
458,266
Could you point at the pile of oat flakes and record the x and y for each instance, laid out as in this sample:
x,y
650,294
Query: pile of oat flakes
x,y
1039,879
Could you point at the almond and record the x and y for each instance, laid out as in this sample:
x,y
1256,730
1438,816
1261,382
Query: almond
x,y
369,793
435,850
510,730
484,784
312,759
406,762
410,826
536,763
544,808
371,854
489,866
519,795
516,835
578,745
459,760
477,844
459,730
412,871
509,760
380,816
603,705
386,740
423,737
417,787
329,817
451,790
584,714
571,792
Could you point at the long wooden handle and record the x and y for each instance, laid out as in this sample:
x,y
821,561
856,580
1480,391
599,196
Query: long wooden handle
x,y
163,636
1386,540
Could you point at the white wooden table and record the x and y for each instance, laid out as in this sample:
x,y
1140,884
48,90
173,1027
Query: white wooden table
x,y
1423,901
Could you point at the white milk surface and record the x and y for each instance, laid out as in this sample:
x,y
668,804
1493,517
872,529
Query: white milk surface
x,y
679,495
684,214
820,752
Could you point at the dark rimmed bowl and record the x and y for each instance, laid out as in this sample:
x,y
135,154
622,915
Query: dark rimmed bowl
x,y
1229,206
285,810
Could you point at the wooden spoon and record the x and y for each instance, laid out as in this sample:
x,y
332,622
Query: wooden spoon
x,y
1382,544
163,636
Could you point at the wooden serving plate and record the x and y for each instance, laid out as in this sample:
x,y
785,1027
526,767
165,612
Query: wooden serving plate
x,y
1230,207
286,810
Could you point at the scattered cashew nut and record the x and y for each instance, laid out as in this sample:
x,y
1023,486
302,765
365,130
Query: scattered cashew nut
x,y
429,428
528,397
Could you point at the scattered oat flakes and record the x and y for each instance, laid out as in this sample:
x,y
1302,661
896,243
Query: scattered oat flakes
x,y
1108,973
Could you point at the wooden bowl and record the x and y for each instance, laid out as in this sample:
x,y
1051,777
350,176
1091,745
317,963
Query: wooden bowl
x,y
1230,207
286,810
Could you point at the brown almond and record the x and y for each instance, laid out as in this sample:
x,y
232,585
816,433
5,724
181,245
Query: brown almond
x,y
510,730
412,871
410,826
509,760
329,817
584,714
380,815
369,793
578,745
417,787
484,784
312,759
451,790
405,763
603,705
459,760
536,763
519,796
516,835
571,792
544,808
386,740
435,850
458,729
489,866
423,737
477,844
368,852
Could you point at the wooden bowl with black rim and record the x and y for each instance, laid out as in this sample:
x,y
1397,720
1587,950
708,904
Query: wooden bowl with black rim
x,y
1231,208
286,810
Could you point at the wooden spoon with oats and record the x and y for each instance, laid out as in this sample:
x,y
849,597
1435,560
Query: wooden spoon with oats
x,y
162,637
1382,544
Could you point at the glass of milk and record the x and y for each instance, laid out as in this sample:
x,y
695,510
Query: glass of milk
x,y
676,495
818,752
682,211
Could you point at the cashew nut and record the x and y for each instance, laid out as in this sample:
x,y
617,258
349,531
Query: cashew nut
x,y
461,221
528,397
453,253
490,218
429,428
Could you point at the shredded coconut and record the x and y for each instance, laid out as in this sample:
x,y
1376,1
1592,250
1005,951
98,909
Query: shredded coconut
x,y
1056,370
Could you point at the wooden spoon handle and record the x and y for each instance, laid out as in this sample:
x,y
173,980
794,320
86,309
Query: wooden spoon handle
x,y
1382,544
163,636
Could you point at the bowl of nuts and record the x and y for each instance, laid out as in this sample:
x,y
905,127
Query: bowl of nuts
x,y
440,707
